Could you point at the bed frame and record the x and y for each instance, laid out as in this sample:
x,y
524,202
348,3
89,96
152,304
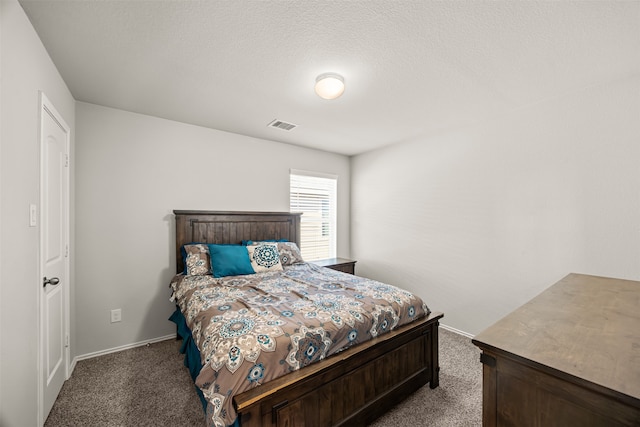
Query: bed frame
x,y
351,388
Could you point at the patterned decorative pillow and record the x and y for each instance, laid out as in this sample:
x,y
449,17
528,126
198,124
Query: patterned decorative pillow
x,y
251,242
289,253
197,261
264,256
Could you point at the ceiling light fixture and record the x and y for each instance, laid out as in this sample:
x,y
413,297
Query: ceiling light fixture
x,y
329,85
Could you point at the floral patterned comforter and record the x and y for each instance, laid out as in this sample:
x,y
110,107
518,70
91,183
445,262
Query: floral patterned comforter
x,y
254,328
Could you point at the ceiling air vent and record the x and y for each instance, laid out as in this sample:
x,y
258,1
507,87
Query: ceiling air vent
x,y
279,124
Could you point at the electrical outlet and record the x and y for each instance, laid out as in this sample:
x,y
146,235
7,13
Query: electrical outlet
x,y
116,315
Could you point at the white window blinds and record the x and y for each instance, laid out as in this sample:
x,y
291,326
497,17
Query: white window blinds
x,y
315,196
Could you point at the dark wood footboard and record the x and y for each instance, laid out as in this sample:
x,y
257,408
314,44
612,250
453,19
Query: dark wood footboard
x,y
351,388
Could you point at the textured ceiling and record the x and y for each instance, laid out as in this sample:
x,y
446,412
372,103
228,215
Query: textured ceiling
x,y
412,68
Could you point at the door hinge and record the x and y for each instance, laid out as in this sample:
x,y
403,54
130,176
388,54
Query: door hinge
x,y
66,251
66,161
66,340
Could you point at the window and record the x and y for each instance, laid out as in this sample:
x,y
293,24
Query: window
x,y
314,194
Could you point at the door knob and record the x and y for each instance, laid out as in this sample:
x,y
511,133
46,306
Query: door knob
x,y
53,281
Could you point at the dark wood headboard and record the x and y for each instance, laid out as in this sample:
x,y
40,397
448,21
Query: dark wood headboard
x,y
233,227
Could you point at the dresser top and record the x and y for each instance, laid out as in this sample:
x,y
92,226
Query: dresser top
x,y
586,326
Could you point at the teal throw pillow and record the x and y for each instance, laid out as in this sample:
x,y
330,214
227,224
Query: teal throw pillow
x,y
230,260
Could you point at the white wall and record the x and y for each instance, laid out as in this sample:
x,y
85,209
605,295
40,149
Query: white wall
x,y
132,172
480,220
1,92
26,69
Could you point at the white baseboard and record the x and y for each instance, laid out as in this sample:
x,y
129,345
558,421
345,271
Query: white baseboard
x,y
117,349
456,331
74,362
173,336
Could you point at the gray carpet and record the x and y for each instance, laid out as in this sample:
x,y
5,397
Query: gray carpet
x,y
149,386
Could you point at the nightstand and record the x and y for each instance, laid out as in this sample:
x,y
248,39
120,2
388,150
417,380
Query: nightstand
x,y
339,264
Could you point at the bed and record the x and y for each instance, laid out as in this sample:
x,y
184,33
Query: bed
x,y
353,386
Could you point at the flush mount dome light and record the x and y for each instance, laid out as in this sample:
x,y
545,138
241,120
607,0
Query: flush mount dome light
x,y
329,85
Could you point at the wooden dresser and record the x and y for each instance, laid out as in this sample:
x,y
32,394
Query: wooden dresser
x,y
569,357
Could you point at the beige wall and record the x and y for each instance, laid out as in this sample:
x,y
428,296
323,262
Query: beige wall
x,y
133,171
480,220
26,70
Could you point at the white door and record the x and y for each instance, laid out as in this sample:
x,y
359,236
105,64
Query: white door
x,y
54,239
